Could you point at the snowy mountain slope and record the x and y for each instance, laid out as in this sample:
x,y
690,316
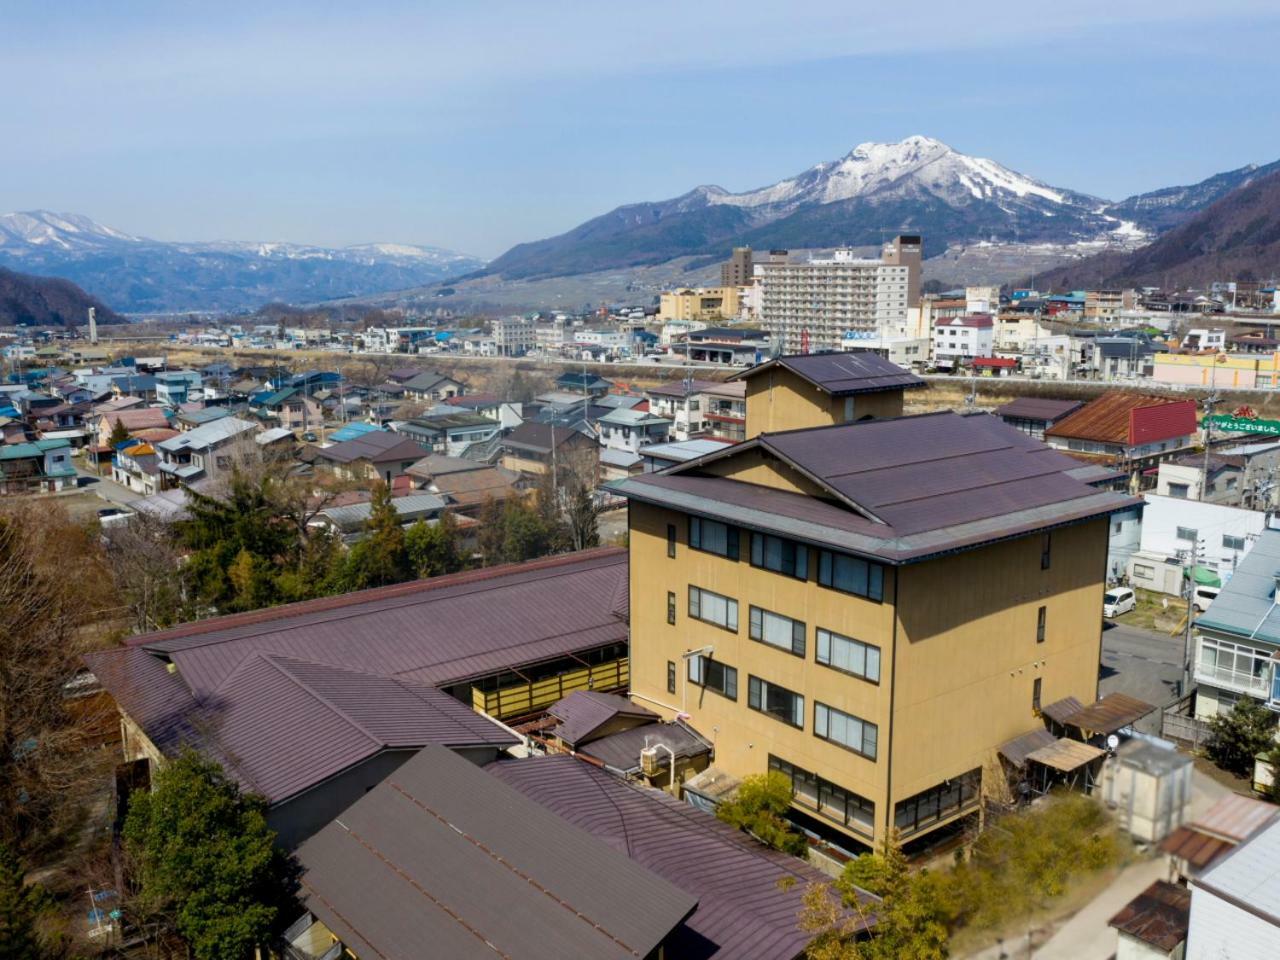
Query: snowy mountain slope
x,y
918,184
138,275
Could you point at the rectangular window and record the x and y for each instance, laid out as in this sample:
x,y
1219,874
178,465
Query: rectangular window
x,y
938,803
1179,490
671,607
713,608
671,676
822,796
846,730
777,631
1035,694
1232,543
776,701
714,675
851,575
671,539
848,409
713,536
1187,533
1041,615
1046,546
783,556
849,655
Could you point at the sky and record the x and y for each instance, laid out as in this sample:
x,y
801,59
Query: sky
x,y
476,126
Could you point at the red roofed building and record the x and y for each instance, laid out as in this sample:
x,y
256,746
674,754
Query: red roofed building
x,y
958,341
1133,432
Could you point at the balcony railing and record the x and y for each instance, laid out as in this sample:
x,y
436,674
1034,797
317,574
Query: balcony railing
x,y
518,699
1237,680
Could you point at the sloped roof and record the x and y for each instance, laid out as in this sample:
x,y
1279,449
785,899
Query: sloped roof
x,y
135,419
743,913
355,515
621,751
208,435
537,437
583,712
1249,875
435,465
842,374
1159,916
1245,605
377,446
442,859
899,489
1108,419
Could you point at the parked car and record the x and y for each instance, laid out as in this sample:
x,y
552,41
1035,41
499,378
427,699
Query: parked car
x,y
310,436
1118,600
1203,597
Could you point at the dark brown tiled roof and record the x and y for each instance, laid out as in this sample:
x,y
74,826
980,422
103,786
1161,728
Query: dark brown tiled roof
x,y
583,712
1037,408
1158,916
443,860
535,436
377,446
743,913
842,373
899,489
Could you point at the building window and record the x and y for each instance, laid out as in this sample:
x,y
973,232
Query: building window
x,y
713,536
851,575
782,556
671,539
1142,571
1232,543
846,730
776,701
714,675
1046,547
848,409
1243,667
777,631
1179,490
713,608
822,796
671,676
1035,694
848,655
671,607
937,803
1041,615
1187,533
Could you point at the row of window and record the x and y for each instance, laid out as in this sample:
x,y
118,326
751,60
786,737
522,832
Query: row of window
x,y
839,652
829,723
862,578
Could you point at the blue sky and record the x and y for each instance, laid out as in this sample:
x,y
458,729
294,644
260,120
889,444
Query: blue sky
x,y
476,126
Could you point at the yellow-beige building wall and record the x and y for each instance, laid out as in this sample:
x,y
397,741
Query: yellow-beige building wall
x,y
778,399
708,304
957,639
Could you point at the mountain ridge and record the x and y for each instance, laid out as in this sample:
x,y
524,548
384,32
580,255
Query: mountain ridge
x,y
27,300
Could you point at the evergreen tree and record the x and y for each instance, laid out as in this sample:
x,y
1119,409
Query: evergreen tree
x,y
203,856
525,532
434,550
759,807
380,558
492,532
19,907
119,434
1237,737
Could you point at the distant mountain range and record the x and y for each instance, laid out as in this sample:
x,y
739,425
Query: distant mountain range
x,y
47,301
918,185
1235,237
137,275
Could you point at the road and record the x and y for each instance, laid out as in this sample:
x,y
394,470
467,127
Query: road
x,y
106,488
1146,664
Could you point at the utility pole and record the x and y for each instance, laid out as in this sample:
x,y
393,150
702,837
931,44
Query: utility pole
x,y
1209,403
1192,555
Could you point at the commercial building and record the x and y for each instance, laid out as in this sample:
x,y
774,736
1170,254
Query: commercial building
x,y
813,305
958,341
870,608
514,336
738,270
707,304
1248,371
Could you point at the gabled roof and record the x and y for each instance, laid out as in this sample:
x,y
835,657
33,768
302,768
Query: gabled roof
x,y
377,446
583,712
1111,418
620,752
438,465
1158,916
898,489
1249,875
208,435
633,418
537,437
354,516
1246,605
1038,408
135,419
443,860
426,381
841,374
744,912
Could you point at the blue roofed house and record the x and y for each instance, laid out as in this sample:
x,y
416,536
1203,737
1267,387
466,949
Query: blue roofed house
x,y
35,466
292,409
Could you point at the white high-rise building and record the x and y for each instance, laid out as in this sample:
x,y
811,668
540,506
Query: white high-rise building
x,y
830,304
514,336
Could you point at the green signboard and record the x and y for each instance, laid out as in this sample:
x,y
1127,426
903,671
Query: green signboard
x,y
1244,425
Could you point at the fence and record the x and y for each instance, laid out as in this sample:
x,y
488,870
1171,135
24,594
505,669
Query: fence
x,y
1178,723
519,699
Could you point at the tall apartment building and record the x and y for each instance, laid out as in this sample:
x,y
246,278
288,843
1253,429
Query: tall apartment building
x,y
872,609
738,269
514,336
821,304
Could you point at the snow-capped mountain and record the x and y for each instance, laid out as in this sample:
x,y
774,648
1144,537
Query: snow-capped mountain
x,y
917,185
138,275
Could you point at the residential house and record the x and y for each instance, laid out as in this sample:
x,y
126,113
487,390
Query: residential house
x,y
684,403
375,455
659,456
133,419
1196,846
1123,358
832,599
588,384
444,860
532,448
1129,432
724,412
350,521
176,387
508,414
466,485
1034,415
1222,477
451,434
1173,529
316,702
190,419
817,389
36,465
1235,905
210,452
292,409
958,341
432,386
626,431
136,465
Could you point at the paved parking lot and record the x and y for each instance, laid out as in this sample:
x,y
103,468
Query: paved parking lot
x,y
1146,664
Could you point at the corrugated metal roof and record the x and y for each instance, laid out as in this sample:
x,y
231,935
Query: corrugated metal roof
x,y
583,712
842,373
1065,755
621,751
376,446
1061,711
1158,916
410,507
1246,606
1111,713
1250,874
743,913
1197,848
207,435
1236,817
1038,408
1017,749
1108,419
445,859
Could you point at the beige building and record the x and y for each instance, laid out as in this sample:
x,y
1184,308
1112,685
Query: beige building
x,y
872,609
702,304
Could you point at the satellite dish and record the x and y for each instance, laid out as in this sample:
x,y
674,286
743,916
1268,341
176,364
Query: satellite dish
x,y
1112,742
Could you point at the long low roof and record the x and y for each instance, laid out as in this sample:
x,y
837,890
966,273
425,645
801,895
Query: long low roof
x,y
442,860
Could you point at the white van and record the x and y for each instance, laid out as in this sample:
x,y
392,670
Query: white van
x,y
1118,600
1204,596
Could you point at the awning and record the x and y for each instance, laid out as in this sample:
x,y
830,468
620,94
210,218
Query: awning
x,y
1205,577
1018,749
1198,849
1066,755
1061,711
1113,712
